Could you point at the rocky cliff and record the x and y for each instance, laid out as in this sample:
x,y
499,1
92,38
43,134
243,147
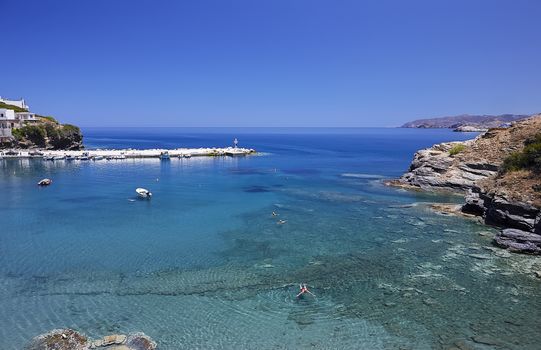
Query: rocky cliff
x,y
504,195
47,133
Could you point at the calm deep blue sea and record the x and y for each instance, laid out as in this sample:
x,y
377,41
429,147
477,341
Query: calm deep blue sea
x,y
205,264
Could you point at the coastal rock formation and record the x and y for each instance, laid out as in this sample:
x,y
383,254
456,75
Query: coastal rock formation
x,y
439,168
48,135
510,199
68,339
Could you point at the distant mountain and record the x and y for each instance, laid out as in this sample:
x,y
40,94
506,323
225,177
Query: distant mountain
x,y
478,121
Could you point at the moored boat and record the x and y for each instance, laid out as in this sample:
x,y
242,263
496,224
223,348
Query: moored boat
x,y
143,192
164,155
45,182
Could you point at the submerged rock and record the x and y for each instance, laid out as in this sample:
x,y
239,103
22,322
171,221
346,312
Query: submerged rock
x,y
59,339
68,339
519,241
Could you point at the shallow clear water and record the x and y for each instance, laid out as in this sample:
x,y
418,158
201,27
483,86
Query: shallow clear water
x,y
205,265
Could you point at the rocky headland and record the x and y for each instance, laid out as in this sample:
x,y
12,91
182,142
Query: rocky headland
x,y
47,134
466,122
34,131
499,172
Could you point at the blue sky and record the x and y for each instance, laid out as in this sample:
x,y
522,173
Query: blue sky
x,y
270,62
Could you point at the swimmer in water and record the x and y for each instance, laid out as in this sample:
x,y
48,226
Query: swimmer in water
x,y
303,290
274,214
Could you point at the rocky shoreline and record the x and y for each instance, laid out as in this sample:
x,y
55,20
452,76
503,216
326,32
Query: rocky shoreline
x,y
474,168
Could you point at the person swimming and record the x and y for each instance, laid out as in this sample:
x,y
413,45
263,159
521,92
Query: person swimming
x,y
304,290
274,214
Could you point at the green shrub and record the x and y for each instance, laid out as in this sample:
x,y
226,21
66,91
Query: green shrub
x,y
64,136
457,149
529,158
48,118
15,108
33,133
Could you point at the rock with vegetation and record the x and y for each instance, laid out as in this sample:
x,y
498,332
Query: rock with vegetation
x,y
499,172
48,134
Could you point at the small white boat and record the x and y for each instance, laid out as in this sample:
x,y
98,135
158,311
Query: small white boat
x,y
48,157
35,154
45,182
143,192
120,157
164,155
59,157
98,158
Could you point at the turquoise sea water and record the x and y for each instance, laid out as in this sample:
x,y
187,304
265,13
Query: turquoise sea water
x,y
205,265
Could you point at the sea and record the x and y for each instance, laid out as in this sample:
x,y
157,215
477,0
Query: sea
x,y
214,260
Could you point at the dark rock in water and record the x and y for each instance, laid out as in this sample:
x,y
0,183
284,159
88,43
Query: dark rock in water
x,y
140,341
519,241
68,339
486,340
59,339
256,189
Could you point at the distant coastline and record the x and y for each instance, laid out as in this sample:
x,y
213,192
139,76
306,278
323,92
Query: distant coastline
x,y
466,122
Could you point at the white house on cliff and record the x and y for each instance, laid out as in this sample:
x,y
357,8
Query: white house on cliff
x,y
9,119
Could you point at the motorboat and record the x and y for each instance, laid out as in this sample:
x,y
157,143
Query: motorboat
x,y
35,154
84,156
59,157
143,192
164,155
119,157
98,158
70,157
49,157
45,182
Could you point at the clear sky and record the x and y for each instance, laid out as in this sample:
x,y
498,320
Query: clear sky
x,y
270,62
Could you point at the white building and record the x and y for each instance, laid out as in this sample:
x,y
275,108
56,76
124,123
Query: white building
x,y
9,119
19,103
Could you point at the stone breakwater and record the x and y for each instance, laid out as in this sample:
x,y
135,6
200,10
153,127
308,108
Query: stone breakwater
x,y
68,339
130,153
473,168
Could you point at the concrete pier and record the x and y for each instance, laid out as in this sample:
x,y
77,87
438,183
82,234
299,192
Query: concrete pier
x,y
130,153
